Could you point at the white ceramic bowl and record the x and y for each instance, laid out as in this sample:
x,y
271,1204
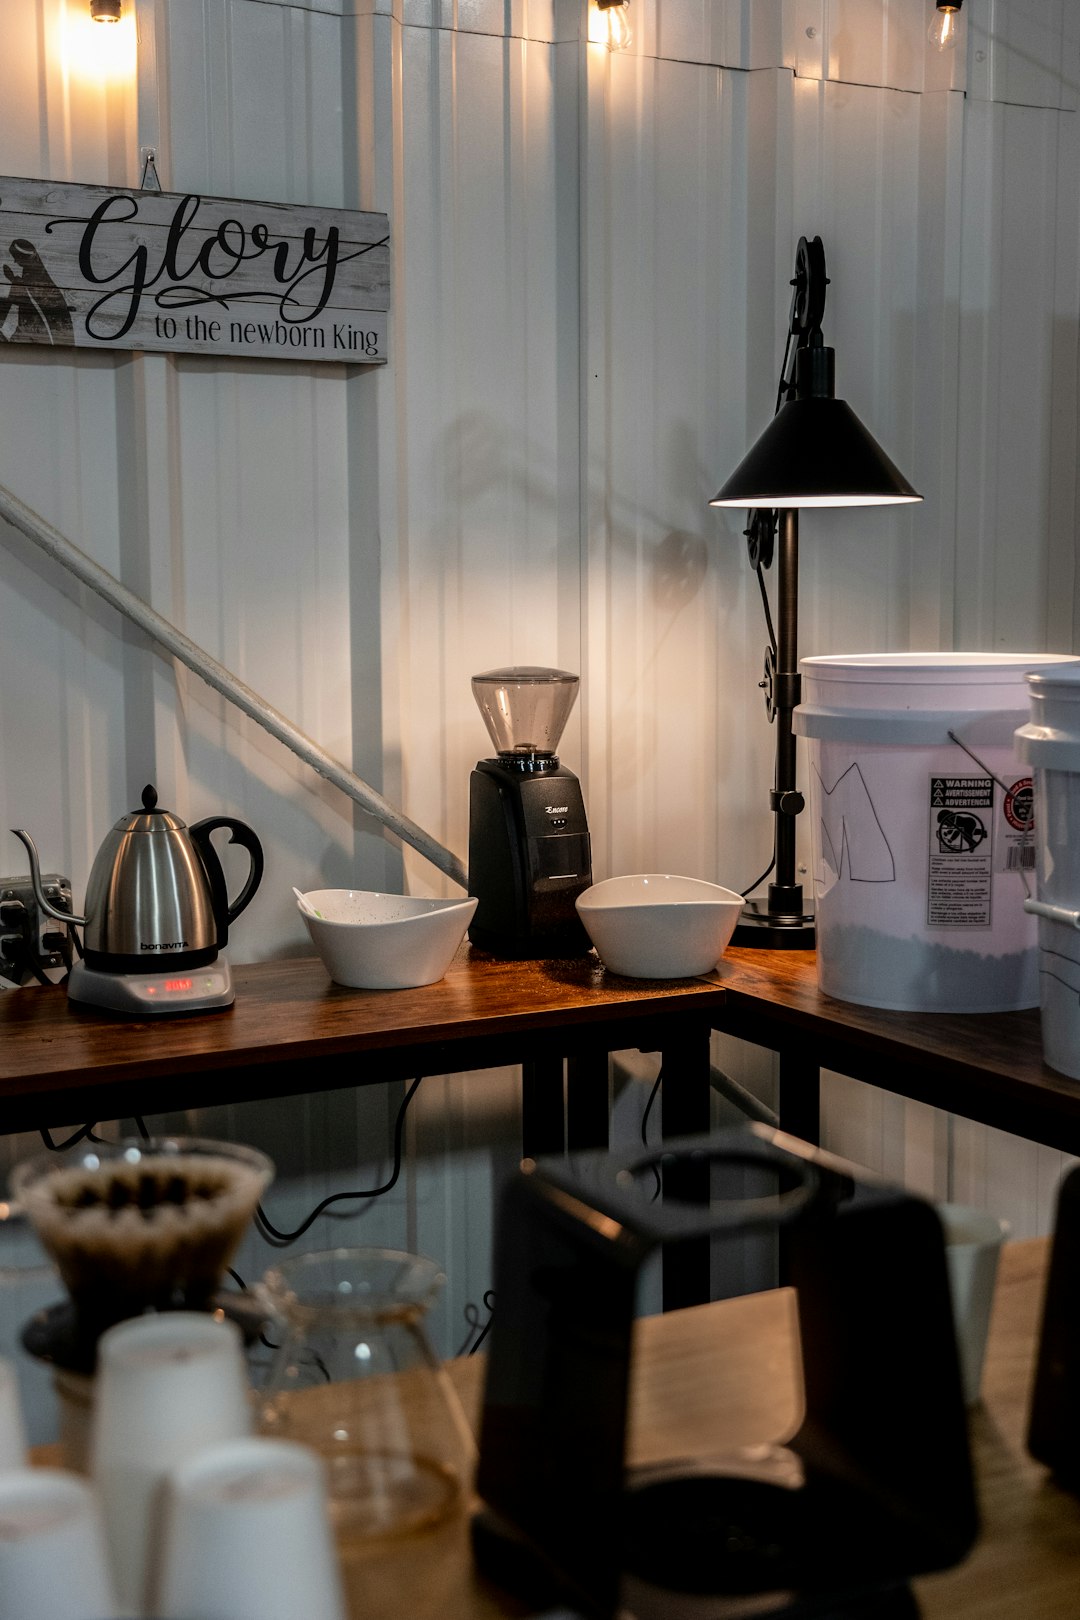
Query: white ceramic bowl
x,y
655,926
384,941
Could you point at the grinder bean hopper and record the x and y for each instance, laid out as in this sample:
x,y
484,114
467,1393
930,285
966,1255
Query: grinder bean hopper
x,y
529,850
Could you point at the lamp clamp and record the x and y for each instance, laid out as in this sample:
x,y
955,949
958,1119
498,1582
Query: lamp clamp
x,y
760,535
786,802
767,683
808,298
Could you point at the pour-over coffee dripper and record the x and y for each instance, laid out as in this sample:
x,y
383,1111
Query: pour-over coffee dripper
x,y
529,849
134,1226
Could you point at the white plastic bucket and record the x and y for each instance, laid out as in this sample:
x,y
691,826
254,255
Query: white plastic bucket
x,y
1050,744
920,850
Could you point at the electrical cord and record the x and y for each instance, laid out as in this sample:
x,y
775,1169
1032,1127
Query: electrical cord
x,y
280,1240
85,1133
760,575
471,1345
314,1358
744,893
653,1094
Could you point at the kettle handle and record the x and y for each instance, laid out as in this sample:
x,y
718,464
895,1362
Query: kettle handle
x,y
242,834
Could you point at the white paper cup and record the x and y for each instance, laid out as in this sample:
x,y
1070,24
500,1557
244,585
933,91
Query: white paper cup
x,y
167,1387
248,1537
53,1563
973,1240
12,1427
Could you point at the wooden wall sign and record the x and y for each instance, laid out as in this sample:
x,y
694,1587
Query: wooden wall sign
x,y
97,268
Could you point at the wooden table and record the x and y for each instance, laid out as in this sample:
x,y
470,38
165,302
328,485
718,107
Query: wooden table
x,y
983,1066
726,1372
292,1031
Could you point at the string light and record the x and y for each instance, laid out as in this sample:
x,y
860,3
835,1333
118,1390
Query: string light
x,y
609,24
945,25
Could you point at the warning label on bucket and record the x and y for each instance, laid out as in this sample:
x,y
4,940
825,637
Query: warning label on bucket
x,y
960,886
1016,847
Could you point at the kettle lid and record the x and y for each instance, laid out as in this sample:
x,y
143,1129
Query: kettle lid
x,y
150,819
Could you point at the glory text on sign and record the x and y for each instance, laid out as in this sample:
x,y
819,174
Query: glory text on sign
x,y
98,268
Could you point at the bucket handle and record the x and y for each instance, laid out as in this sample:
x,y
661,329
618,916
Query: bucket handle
x,y
1058,914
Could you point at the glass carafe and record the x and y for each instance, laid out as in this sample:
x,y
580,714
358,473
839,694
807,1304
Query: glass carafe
x,y
355,1377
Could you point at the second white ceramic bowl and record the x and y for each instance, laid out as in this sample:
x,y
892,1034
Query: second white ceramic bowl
x,y
374,941
657,926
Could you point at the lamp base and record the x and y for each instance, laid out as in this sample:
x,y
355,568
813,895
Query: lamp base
x,y
763,931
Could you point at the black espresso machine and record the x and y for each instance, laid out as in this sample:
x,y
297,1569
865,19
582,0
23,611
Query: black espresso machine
x,y
529,850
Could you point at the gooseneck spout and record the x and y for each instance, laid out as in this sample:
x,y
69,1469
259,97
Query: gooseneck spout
x,y
36,884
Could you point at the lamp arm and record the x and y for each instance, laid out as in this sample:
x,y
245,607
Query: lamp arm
x,y
804,322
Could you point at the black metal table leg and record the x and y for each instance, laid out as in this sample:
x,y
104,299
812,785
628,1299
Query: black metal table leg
x,y
543,1128
587,1101
799,1097
687,1111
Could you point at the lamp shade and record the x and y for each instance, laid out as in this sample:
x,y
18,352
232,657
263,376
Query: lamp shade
x,y
815,452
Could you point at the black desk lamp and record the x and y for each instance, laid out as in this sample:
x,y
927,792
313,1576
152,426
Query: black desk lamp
x,y
815,452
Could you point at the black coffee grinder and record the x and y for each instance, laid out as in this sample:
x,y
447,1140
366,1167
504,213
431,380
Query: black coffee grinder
x,y
529,850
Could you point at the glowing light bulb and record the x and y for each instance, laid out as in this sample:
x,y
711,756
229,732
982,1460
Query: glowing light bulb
x,y
609,24
91,53
945,26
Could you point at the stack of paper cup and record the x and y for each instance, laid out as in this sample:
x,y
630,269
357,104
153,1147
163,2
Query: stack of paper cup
x,y
53,1562
973,1240
168,1386
247,1537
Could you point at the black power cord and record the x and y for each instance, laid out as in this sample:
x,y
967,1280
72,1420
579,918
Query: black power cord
x,y
85,1133
470,1344
315,1359
280,1240
653,1094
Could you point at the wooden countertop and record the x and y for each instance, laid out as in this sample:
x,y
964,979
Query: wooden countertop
x,y
289,1014
983,1066
1026,1563
291,1009
725,1375
727,1372
786,982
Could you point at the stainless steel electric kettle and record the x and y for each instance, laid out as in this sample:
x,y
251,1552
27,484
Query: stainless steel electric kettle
x,y
157,910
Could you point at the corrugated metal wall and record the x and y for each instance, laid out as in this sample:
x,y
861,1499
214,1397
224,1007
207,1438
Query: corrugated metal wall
x,y
591,257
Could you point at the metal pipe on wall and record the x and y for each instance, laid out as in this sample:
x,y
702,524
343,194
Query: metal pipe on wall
x,y
99,580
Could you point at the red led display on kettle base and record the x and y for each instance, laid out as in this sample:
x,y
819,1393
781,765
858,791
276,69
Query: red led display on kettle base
x,y
178,984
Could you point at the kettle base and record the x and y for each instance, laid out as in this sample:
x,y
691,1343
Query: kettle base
x,y
151,995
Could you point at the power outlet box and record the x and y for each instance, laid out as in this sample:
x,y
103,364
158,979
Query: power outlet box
x,y
32,943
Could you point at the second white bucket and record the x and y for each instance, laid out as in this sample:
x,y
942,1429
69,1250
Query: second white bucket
x,y
921,849
1050,743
